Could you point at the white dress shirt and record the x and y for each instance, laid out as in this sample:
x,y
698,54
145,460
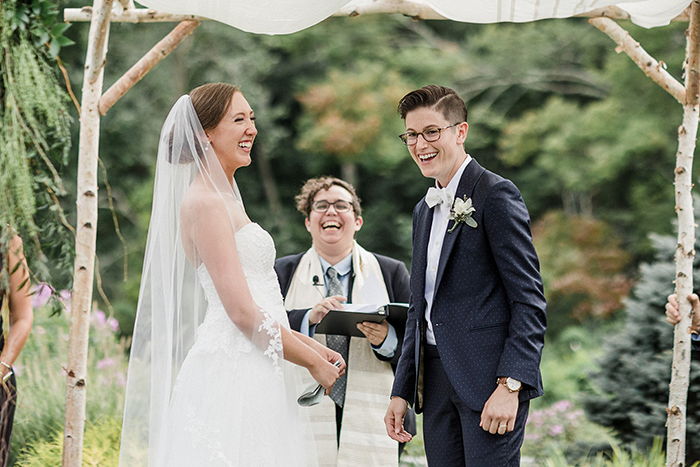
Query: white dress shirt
x,y
438,229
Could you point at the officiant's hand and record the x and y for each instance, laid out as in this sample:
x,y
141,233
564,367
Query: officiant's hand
x,y
500,411
321,309
374,332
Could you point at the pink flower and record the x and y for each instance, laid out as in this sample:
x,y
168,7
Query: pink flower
x,y
41,295
106,363
562,406
556,430
98,316
121,379
40,330
66,298
113,324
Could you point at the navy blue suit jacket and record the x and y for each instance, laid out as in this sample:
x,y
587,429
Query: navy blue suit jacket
x,y
488,312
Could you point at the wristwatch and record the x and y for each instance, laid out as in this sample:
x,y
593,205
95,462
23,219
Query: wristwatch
x,y
512,384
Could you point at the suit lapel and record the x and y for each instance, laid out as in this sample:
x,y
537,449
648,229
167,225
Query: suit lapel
x,y
470,177
424,221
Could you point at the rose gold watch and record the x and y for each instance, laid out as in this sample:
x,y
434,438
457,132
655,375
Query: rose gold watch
x,y
512,384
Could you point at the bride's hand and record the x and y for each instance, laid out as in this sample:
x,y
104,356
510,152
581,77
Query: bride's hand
x,y
331,356
326,374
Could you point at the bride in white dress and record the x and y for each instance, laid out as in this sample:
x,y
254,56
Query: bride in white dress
x,y
208,383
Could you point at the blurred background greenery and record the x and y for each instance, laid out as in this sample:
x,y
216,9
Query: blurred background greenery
x,y
589,140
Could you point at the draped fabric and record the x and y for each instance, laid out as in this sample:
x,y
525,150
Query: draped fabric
x,y
363,439
288,16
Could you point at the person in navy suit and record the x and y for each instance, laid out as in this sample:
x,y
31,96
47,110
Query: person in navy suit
x,y
470,360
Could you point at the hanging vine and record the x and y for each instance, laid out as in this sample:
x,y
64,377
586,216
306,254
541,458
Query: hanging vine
x,y
34,138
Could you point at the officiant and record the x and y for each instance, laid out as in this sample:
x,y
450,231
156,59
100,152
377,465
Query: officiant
x,y
348,425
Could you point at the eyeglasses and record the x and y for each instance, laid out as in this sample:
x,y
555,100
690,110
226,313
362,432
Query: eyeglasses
x,y
323,205
430,135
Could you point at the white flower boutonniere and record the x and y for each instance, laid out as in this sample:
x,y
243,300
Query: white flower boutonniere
x,y
462,210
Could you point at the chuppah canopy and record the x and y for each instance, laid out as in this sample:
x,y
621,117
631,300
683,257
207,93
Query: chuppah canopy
x,y
288,16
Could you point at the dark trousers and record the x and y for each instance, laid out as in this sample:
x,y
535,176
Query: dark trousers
x,y
453,437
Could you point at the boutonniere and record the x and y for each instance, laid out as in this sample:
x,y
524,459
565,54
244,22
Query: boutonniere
x,y
461,212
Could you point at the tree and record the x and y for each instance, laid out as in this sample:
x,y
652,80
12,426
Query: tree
x,y
636,367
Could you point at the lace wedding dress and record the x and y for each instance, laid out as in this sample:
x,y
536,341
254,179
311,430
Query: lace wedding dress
x,y
230,405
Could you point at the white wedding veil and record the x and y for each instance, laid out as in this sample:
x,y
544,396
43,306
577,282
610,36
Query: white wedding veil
x,y
171,302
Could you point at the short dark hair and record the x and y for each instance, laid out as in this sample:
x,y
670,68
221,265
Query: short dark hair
x,y
308,192
442,99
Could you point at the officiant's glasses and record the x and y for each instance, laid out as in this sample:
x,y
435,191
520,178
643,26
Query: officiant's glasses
x,y
323,205
430,135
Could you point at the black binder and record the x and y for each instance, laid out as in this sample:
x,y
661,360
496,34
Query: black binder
x,y
345,322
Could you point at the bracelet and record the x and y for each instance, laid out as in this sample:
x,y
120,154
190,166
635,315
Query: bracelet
x,y
5,365
7,376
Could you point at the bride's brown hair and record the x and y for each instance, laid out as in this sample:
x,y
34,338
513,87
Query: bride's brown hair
x,y
211,102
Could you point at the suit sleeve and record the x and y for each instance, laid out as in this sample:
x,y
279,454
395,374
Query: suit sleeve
x,y
285,268
507,225
399,290
405,379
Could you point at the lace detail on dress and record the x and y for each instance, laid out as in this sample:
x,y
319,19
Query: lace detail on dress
x,y
275,347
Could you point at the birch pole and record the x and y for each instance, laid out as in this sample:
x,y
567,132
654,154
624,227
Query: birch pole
x,y
86,236
685,249
159,51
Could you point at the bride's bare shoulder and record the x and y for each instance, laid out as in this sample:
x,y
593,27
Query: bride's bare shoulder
x,y
196,199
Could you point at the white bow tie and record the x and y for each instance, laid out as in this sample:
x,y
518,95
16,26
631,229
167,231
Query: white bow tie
x,y
437,196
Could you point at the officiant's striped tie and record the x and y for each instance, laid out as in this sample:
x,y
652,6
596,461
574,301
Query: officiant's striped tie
x,y
340,344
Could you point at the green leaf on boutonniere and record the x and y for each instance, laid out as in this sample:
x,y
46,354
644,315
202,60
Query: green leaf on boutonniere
x,y
461,212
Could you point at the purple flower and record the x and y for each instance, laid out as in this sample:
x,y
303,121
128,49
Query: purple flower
x,y
113,324
42,293
106,363
121,379
556,430
99,318
562,406
66,298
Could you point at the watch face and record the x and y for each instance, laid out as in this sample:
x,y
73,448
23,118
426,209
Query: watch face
x,y
513,384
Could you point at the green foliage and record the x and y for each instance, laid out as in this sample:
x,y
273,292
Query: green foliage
x,y
635,369
100,446
620,457
583,268
41,378
35,133
563,427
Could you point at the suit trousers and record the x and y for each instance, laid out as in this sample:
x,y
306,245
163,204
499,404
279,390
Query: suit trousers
x,y
453,437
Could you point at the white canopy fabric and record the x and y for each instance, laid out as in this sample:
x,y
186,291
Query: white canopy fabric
x,y
288,16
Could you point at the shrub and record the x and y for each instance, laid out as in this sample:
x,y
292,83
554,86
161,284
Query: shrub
x,y
41,377
100,446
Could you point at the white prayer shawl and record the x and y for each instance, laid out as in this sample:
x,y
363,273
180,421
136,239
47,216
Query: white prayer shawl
x,y
363,438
